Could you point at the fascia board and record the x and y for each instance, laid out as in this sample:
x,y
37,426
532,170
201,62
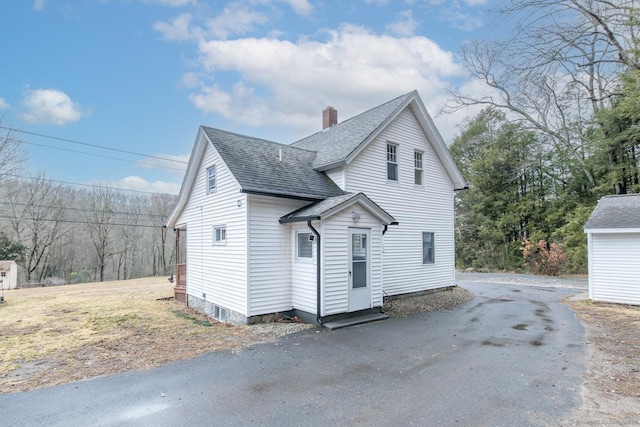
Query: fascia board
x,y
611,230
442,151
187,183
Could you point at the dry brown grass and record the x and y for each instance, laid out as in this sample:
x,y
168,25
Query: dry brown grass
x,y
611,387
55,335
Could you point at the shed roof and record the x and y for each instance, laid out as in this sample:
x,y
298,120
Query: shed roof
x,y
267,167
332,205
5,265
616,212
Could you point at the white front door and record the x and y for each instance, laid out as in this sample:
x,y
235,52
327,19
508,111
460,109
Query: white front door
x,y
359,269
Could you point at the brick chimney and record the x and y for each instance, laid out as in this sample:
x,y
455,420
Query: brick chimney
x,y
329,117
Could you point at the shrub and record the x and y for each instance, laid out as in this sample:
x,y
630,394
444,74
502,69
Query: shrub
x,y
543,258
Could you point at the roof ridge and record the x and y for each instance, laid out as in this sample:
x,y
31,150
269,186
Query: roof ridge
x,y
259,139
356,116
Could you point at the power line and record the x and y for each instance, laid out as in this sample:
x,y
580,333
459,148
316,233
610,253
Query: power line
x,y
84,222
92,154
87,185
81,209
90,145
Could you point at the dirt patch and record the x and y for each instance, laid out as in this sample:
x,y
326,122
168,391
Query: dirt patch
x,y
611,388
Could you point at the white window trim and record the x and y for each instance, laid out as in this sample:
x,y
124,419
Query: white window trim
x,y
215,187
397,162
433,243
297,249
223,235
421,169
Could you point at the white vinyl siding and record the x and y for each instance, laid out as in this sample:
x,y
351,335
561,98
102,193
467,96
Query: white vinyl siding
x,y
270,253
337,175
216,273
614,270
417,209
303,274
335,240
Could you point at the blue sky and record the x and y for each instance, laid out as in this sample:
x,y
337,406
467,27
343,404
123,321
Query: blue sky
x,y
142,75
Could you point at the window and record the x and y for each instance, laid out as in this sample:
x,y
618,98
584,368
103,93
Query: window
x,y
3,274
219,234
211,179
419,168
304,246
428,248
392,162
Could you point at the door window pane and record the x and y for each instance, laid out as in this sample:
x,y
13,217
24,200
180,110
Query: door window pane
x,y
305,246
359,274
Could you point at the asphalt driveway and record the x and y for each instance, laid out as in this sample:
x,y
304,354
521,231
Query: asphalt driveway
x,y
511,356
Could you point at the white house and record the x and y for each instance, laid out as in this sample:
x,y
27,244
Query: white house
x,y
324,227
9,274
613,239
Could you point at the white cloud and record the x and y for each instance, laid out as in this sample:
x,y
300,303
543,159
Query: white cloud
x,y
38,5
377,2
4,105
460,20
178,29
352,70
140,184
475,2
51,106
233,19
404,25
301,7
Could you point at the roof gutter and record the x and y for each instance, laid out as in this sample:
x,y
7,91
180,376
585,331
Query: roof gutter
x,y
299,219
284,196
318,276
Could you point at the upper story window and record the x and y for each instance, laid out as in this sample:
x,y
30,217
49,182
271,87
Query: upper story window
x,y
392,162
418,165
211,179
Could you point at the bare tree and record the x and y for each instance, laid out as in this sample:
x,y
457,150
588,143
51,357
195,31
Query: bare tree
x,y
558,69
12,156
100,218
36,210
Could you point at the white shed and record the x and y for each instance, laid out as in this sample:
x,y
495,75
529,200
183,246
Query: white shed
x,y
613,233
9,274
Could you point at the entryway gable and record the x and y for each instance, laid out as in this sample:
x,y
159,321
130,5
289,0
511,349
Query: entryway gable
x,y
337,258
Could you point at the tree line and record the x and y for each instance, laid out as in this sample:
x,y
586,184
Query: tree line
x,y
61,234
558,129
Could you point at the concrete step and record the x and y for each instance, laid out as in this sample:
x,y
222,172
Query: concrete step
x,y
351,321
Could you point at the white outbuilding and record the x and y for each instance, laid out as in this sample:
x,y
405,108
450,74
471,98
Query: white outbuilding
x,y
9,274
613,233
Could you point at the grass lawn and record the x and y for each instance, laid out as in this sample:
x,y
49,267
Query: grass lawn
x,y
59,334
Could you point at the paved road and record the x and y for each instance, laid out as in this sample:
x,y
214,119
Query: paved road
x,y
511,356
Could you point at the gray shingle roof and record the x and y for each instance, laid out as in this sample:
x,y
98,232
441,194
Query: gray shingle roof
x,y
337,142
622,211
318,210
256,164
